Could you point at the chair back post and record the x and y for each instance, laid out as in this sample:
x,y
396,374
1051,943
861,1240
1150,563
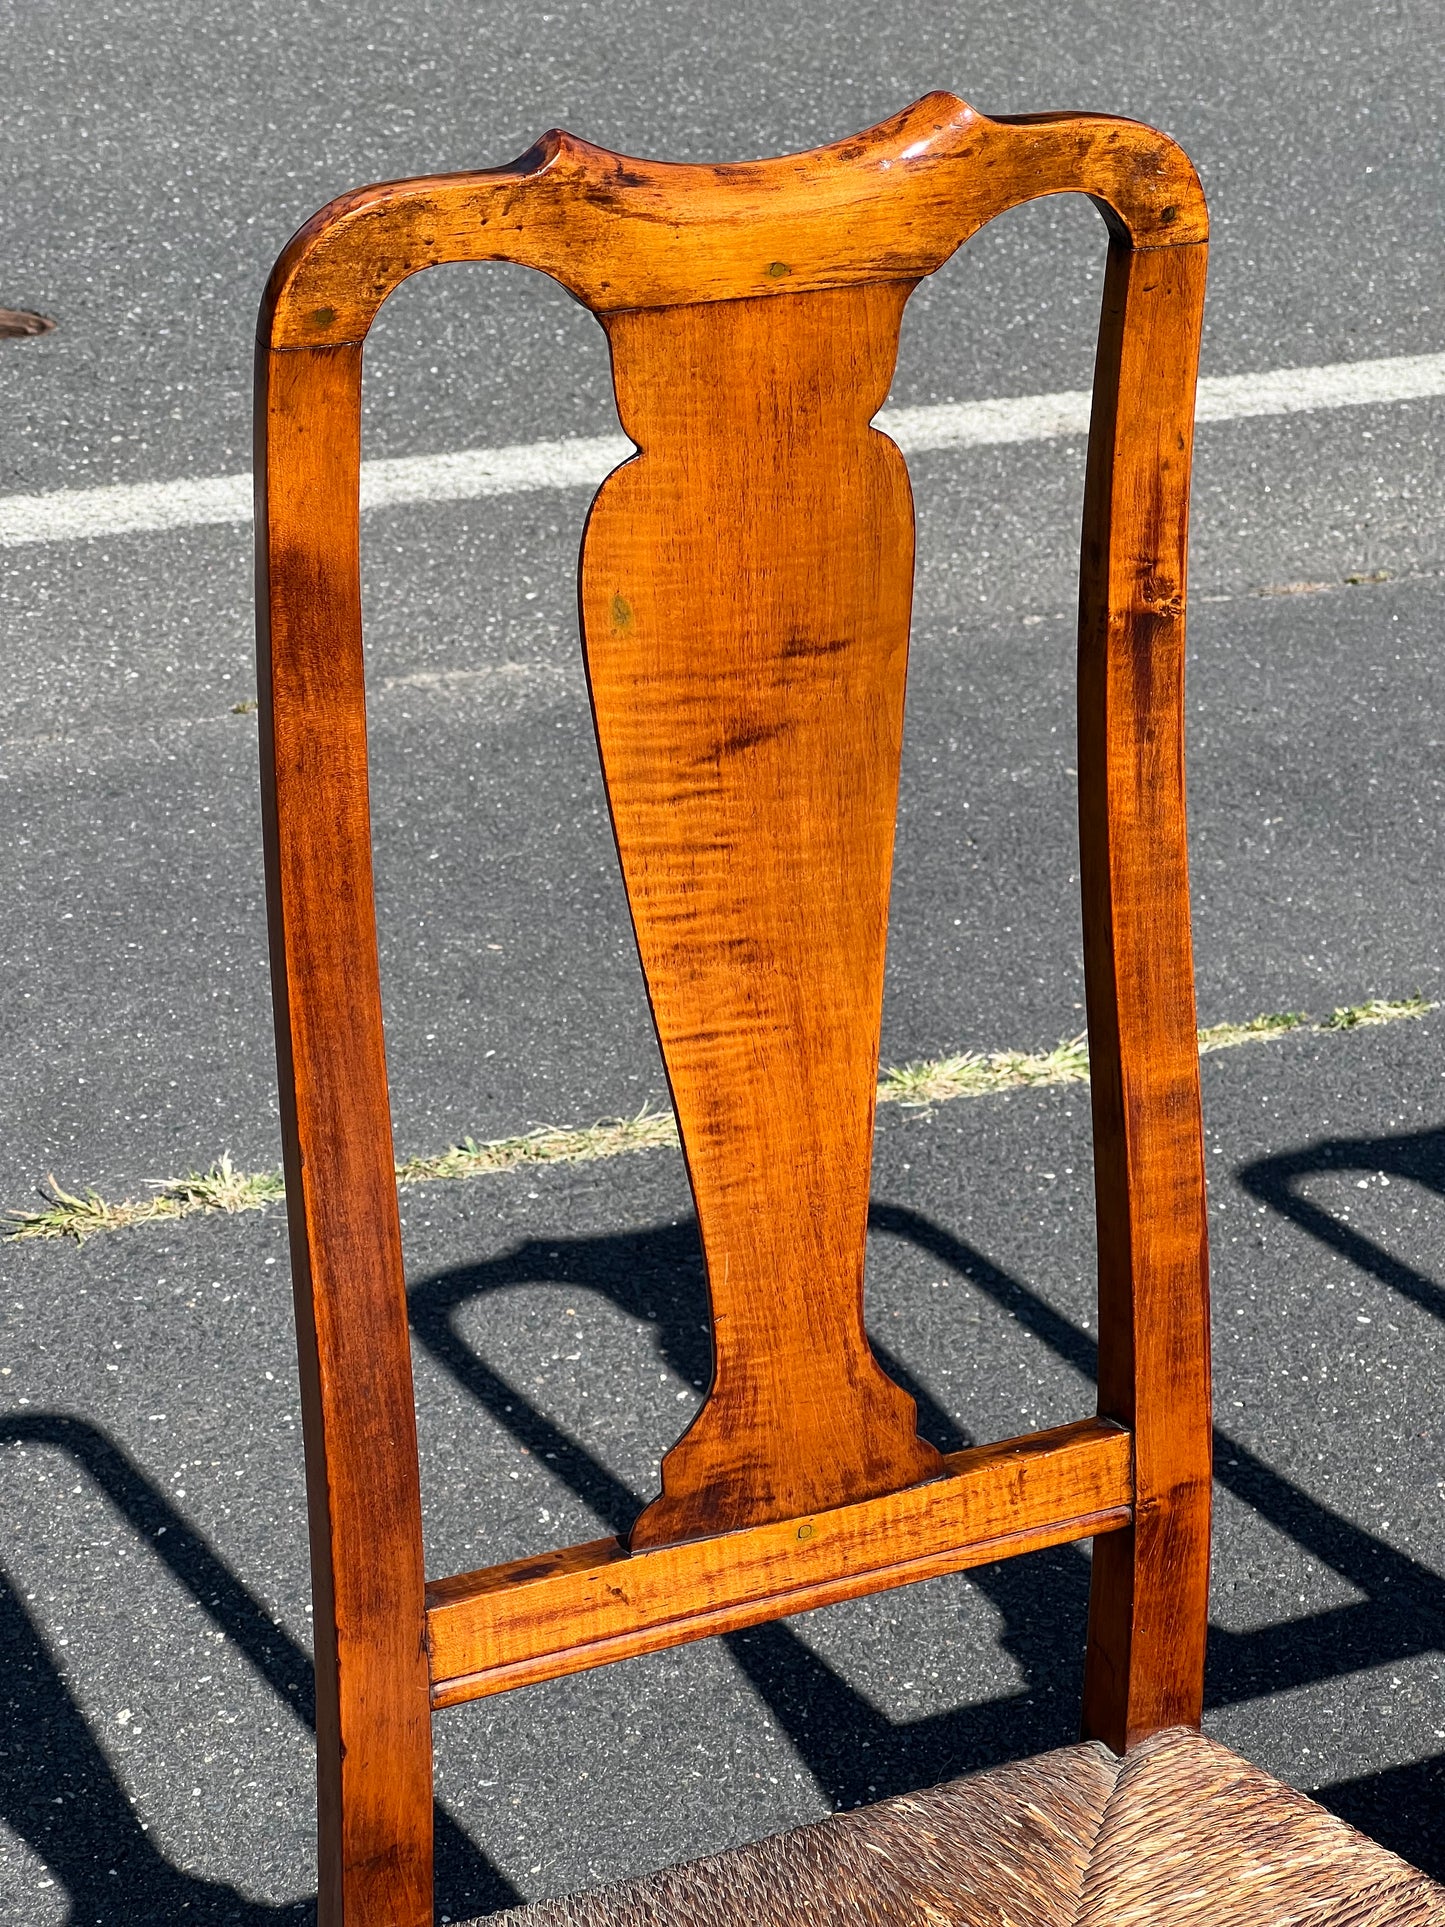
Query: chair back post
x,y
373,1710
1149,1589
746,584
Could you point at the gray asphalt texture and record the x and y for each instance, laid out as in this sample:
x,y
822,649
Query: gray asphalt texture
x,y
154,1679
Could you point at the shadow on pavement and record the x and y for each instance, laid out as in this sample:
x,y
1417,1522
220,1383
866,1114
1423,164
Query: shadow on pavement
x,y
854,1752
1402,1807
1419,1155
60,1793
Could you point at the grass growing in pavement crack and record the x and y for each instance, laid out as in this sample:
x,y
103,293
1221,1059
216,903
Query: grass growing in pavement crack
x,y
1379,1010
221,1188
1274,1024
969,1074
549,1144
976,1073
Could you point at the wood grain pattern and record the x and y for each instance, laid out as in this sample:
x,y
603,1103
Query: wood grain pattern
x,y
745,592
373,1724
891,204
746,587
536,1619
1149,1589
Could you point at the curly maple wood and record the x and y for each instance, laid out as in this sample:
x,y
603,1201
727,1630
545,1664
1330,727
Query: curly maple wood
x,y
536,1619
1148,1602
745,589
746,585
891,204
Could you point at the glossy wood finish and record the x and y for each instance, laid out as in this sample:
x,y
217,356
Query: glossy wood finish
x,y
373,1728
746,586
891,204
1149,1598
745,589
539,1618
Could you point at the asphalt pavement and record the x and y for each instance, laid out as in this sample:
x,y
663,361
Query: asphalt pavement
x,y
154,1751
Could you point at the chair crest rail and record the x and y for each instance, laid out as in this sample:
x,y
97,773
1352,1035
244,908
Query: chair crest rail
x,y
890,204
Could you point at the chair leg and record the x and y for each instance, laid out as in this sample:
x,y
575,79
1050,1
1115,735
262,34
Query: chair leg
x,y
373,1828
1144,1666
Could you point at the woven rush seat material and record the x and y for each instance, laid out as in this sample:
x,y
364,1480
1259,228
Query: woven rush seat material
x,y
1180,1831
1008,1846
1194,1834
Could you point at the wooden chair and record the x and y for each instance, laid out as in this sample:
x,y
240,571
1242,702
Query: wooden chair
x,y
745,593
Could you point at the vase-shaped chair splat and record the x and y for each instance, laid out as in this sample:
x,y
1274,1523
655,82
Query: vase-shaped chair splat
x,y
746,588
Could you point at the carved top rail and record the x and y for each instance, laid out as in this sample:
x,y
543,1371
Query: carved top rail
x,y
890,204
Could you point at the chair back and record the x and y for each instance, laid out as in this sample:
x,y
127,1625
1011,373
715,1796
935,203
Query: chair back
x,y
745,591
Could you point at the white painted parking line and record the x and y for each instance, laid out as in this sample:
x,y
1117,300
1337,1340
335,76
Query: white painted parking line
x,y
68,515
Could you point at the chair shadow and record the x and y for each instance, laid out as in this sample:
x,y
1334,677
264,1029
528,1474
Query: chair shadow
x,y
856,1753
1401,1807
1417,1155
62,1796
1404,1601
